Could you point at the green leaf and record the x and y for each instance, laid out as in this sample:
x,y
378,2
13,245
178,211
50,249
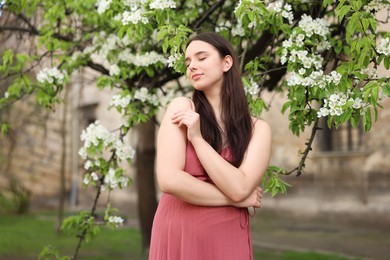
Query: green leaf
x,y
386,89
325,3
367,121
356,5
286,106
365,23
4,128
386,62
355,119
7,57
343,11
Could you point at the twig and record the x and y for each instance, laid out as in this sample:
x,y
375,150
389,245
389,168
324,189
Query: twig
x,y
309,144
207,14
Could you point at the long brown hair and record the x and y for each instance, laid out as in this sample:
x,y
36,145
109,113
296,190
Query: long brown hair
x,y
235,111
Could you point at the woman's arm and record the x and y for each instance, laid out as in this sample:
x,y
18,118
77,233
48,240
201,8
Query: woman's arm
x,y
236,183
171,177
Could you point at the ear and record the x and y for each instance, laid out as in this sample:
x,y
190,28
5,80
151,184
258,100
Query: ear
x,y
227,63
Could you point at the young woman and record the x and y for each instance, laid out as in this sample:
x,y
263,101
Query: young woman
x,y
211,156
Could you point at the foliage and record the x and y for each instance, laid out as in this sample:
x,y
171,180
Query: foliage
x,y
21,236
16,199
324,54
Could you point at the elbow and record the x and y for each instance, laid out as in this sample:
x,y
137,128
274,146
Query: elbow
x,y
166,185
238,195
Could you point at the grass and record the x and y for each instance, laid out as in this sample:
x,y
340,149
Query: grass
x,y
23,237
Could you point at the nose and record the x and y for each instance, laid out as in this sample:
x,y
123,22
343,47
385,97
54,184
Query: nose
x,y
192,66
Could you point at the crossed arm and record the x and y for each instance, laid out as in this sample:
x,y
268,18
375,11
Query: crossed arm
x,y
172,179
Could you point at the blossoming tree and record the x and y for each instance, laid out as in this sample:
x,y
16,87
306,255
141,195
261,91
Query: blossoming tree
x,y
324,54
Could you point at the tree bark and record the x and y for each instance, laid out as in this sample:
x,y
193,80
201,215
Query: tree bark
x,y
145,181
61,206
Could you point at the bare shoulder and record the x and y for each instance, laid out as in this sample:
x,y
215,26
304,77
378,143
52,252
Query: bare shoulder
x,y
179,103
261,127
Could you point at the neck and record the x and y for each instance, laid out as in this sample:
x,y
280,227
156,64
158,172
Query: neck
x,y
215,101
213,96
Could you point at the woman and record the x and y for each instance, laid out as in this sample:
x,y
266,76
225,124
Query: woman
x,y
211,156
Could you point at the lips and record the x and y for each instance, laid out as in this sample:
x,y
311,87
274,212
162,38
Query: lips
x,y
196,76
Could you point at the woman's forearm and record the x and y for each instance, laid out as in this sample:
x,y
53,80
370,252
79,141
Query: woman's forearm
x,y
192,190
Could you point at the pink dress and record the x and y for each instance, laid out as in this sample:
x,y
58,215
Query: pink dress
x,y
183,231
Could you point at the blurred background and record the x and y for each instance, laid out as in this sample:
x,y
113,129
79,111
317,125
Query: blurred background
x,y
340,205
339,208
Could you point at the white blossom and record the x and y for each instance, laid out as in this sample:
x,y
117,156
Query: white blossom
x,y
6,95
94,135
323,46
287,43
316,78
141,94
119,101
238,30
110,179
374,5
225,24
86,180
370,72
87,164
323,112
288,15
294,79
123,151
103,6
51,75
252,88
336,77
114,70
384,46
83,153
277,7
357,103
333,105
172,59
134,17
142,60
124,181
115,220
162,4
2,3
309,26
125,120
94,176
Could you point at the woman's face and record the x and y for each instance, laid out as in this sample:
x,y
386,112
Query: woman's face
x,y
205,67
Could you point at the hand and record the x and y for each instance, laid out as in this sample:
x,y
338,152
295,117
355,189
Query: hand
x,y
191,120
253,200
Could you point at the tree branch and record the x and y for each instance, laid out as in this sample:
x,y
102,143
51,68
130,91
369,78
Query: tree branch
x,y
98,68
309,144
25,20
207,14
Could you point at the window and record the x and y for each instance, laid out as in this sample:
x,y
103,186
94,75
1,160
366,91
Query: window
x,y
344,139
88,114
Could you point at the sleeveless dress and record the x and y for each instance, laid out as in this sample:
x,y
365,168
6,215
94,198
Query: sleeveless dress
x,y
183,231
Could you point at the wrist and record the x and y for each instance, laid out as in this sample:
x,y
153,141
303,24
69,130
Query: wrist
x,y
197,141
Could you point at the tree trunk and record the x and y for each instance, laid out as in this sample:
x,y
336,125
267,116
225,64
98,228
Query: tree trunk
x,y
147,201
62,191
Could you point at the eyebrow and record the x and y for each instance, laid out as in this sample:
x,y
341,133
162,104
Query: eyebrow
x,y
197,54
